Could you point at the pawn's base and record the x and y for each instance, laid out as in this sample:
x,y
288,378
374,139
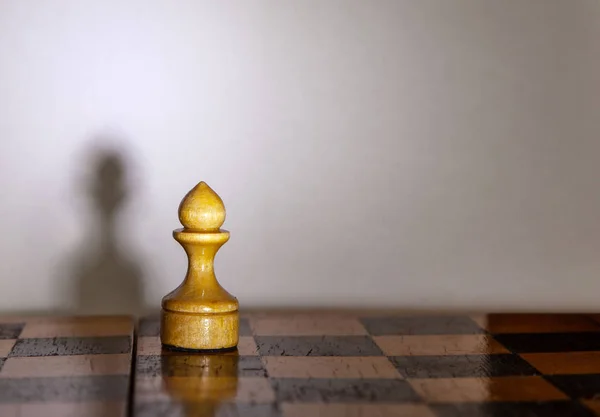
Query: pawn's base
x,y
199,332
206,351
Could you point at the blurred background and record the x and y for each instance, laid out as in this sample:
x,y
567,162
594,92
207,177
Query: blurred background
x,y
430,154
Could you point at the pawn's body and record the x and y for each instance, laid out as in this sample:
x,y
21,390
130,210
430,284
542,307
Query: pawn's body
x,y
200,314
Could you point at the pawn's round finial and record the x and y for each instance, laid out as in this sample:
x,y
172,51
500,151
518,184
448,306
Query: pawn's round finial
x,y
202,209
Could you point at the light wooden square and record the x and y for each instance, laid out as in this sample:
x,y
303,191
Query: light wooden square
x,y
565,363
78,327
330,367
307,325
525,388
6,346
243,389
77,365
78,409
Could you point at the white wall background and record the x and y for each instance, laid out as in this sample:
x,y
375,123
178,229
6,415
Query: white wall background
x,y
416,154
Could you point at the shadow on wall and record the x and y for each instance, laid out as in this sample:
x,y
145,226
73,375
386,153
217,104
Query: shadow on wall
x,y
103,276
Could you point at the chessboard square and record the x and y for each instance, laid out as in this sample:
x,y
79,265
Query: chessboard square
x,y
199,366
149,326
149,345
355,410
513,388
160,407
539,323
244,327
577,386
247,390
74,409
592,405
565,363
330,367
462,366
171,390
251,366
64,389
247,346
308,325
480,319
79,327
203,408
62,346
550,342
11,319
254,390
423,345
10,330
317,346
148,365
512,409
420,325
150,389
345,390
6,346
80,365
243,410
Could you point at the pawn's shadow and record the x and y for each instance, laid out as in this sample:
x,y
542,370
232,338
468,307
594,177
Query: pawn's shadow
x,y
104,276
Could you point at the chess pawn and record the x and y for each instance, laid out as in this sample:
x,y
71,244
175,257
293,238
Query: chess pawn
x,y
200,314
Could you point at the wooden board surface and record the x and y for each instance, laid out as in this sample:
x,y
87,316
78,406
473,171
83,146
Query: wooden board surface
x,y
65,366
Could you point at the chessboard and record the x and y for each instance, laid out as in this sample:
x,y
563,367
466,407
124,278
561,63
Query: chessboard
x,y
65,366
378,365
306,364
